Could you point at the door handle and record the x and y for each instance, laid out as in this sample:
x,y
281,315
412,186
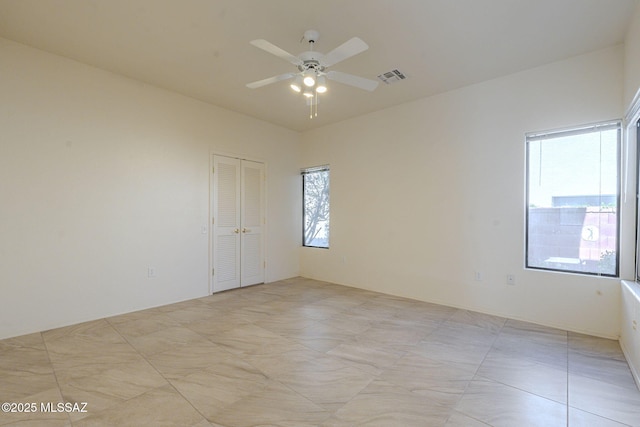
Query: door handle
x,y
246,230
236,231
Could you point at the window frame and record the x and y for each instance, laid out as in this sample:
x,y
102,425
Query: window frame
x,y
304,172
570,131
637,201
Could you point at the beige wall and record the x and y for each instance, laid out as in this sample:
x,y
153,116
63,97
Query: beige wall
x,y
632,59
424,194
102,176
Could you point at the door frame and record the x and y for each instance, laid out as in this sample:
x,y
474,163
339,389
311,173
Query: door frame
x,y
210,216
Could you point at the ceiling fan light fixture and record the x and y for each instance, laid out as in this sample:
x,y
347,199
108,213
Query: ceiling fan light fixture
x,y
308,93
322,85
309,78
296,86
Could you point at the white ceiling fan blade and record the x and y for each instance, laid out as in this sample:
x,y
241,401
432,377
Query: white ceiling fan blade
x,y
275,50
270,80
346,50
351,80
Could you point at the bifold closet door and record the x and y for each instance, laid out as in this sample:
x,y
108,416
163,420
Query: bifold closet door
x,y
238,219
251,221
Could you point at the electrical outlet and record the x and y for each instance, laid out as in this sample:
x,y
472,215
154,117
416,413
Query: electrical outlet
x,y
511,279
479,276
151,272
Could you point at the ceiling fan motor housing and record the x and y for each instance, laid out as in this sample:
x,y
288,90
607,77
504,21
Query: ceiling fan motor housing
x,y
311,61
311,36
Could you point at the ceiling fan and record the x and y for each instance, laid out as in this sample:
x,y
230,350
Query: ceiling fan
x,y
312,66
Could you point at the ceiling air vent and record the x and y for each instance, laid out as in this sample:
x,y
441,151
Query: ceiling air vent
x,y
392,76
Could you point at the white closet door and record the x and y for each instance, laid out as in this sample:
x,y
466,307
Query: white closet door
x,y
226,223
252,222
238,221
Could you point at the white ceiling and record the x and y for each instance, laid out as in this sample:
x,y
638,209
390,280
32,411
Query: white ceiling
x,y
200,48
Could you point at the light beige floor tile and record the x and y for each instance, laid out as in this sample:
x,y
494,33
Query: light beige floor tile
x,y
23,372
111,386
396,333
426,312
284,306
500,405
599,358
289,359
134,315
326,381
578,418
617,403
166,339
143,325
222,384
180,362
97,331
226,301
479,320
319,310
440,382
72,362
383,404
274,405
251,339
349,322
601,368
377,310
257,314
457,346
32,341
533,331
595,346
460,420
213,326
183,305
89,349
392,301
542,348
258,296
321,337
286,324
158,407
525,374
343,302
371,359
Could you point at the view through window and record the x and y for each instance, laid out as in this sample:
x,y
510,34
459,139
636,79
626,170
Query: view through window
x,y
315,187
572,199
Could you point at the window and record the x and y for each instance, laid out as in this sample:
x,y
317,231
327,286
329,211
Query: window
x,y
572,199
315,194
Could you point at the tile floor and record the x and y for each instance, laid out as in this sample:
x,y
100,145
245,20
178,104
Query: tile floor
x,y
306,353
